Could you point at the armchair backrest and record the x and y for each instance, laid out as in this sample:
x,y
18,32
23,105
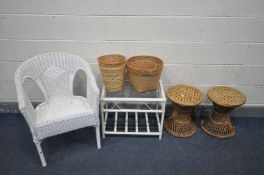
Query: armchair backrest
x,y
53,72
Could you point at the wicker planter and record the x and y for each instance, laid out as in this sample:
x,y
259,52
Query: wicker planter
x,y
112,69
144,72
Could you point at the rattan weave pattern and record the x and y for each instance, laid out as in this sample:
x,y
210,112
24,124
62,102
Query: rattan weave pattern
x,y
185,95
111,60
218,126
224,99
226,96
145,65
144,72
184,99
62,111
112,69
180,125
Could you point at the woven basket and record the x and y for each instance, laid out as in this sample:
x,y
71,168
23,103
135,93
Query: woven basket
x,y
112,69
144,72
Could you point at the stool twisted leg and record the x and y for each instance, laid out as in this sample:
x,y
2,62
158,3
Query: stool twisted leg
x,y
180,123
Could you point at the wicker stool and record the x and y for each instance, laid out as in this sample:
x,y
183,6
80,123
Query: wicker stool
x,y
184,99
224,99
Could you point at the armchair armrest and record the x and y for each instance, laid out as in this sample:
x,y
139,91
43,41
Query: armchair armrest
x,y
92,90
25,106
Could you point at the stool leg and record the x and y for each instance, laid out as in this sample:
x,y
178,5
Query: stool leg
x,y
219,124
180,123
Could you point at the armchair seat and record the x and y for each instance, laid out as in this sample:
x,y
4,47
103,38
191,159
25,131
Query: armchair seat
x,y
63,114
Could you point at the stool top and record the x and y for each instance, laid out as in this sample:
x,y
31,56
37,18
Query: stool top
x,y
185,95
226,96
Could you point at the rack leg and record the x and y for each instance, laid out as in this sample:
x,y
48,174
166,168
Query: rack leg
x,y
103,120
162,119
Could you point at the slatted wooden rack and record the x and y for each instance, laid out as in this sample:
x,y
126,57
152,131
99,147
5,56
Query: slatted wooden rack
x,y
130,113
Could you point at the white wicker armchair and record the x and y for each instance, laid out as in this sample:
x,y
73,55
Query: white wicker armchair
x,y
62,111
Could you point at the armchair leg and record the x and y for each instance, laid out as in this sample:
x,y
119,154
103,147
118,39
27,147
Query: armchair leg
x,y
98,139
41,155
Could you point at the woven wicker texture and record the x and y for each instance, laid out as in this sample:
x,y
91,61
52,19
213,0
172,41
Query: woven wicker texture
x,y
112,69
185,95
224,99
144,72
184,98
226,96
62,111
111,60
218,126
180,125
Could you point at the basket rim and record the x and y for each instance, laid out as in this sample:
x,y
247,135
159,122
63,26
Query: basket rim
x,y
156,70
104,59
136,68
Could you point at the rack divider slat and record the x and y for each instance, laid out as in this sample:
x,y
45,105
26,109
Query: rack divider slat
x,y
136,121
147,122
126,123
115,126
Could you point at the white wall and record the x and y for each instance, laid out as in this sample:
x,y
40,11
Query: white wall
x,y
202,42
